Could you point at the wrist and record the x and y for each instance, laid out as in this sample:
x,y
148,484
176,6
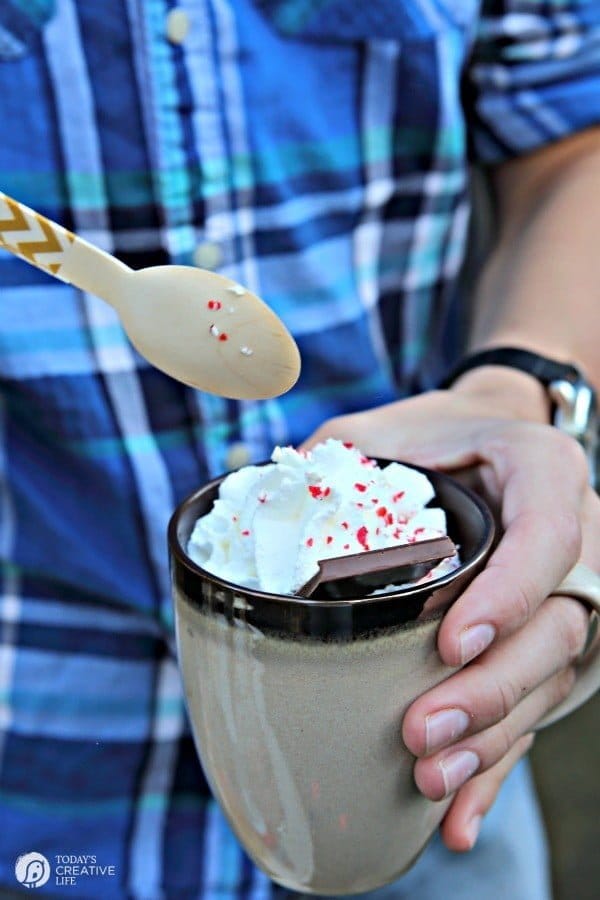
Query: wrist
x,y
506,392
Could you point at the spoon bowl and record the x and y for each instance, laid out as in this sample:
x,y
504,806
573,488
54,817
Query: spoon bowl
x,y
208,332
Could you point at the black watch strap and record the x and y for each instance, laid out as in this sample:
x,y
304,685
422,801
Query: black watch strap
x,y
541,367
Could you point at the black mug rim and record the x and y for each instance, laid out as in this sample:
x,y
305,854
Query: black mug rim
x,y
180,554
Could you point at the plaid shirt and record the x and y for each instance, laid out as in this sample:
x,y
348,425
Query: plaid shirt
x,y
316,151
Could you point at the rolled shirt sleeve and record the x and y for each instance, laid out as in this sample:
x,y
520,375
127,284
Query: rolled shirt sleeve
x,y
534,75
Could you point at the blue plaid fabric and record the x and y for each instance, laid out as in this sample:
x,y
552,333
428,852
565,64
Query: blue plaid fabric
x,y
322,149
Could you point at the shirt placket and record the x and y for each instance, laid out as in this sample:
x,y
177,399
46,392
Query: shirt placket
x,y
157,80
161,33
195,135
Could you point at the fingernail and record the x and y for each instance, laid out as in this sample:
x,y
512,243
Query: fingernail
x,y
443,727
457,768
473,830
474,640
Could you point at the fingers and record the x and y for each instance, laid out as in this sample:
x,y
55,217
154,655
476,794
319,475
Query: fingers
x,y
443,773
462,822
487,691
542,478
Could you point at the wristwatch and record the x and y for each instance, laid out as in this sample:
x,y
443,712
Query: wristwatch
x,y
573,399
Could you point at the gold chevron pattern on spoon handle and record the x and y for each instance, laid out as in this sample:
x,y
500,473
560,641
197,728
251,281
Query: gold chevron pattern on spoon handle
x,y
33,237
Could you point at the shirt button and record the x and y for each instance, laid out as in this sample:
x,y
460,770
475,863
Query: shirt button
x,y
237,456
178,26
207,256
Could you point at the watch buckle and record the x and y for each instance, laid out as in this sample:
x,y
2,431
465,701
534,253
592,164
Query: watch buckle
x,y
576,415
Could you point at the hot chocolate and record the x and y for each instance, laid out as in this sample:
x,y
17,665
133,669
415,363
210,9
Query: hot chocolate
x,y
296,706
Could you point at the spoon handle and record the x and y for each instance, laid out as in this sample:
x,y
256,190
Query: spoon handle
x,y
58,252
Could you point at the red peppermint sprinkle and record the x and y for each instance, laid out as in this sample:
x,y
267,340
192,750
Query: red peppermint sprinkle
x,y
365,461
262,498
223,337
389,519
361,536
345,525
361,505
374,500
398,496
329,539
245,532
214,304
234,518
348,445
378,530
360,487
419,530
309,542
346,546
319,493
398,533
382,512
402,520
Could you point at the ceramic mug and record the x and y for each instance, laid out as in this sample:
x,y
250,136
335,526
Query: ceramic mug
x,y
296,707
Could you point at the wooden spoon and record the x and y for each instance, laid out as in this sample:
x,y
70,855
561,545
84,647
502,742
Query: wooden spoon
x,y
201,328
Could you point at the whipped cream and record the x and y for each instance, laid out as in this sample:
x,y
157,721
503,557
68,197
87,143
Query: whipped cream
x,y
271,524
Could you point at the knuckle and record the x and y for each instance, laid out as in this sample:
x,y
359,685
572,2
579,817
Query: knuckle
x,y
572,454
562,685
504,738
499,448
569,534
500,438
573,622
562,529
502,697
524,602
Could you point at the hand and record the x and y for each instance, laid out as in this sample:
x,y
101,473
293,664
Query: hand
x,y
468,732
